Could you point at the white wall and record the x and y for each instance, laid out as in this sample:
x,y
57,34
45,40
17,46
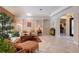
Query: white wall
x,y
55,21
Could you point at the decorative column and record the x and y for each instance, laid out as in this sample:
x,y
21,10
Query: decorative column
x,y
67,26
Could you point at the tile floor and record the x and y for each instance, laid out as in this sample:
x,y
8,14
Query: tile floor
x,y
52,44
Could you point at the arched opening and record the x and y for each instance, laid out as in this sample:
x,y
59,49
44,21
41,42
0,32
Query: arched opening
x,y
67,25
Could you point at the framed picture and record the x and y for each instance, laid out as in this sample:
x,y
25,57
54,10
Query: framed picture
x,y
28,24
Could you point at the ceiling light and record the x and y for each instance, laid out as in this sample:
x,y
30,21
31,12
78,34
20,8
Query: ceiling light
x,y
28,14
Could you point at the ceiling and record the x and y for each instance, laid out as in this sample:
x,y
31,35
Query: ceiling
x,y
34,10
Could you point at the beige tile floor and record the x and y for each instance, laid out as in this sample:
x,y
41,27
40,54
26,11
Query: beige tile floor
x,y
52,44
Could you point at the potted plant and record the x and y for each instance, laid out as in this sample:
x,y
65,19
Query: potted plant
x,y
6,46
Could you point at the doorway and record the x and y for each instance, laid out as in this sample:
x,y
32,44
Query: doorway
x,y
62,27
67,25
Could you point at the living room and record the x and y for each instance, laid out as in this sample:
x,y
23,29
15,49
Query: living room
x,y
52,28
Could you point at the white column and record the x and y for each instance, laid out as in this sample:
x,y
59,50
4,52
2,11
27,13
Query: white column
x,y
67,26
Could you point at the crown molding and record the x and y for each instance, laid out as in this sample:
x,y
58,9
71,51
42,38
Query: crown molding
x,y
59,10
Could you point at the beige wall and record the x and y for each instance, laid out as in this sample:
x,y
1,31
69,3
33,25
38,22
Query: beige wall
x,y
36,21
